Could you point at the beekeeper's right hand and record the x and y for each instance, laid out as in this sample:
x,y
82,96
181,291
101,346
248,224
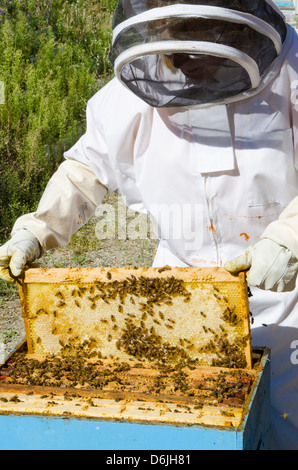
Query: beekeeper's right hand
x,y
22,249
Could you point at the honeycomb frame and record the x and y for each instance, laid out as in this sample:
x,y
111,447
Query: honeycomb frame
x,y
195,316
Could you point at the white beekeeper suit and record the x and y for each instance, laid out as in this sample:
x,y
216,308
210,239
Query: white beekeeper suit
x,y
206,142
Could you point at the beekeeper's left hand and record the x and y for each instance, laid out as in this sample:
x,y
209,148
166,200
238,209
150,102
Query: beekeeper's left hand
x,y
271,266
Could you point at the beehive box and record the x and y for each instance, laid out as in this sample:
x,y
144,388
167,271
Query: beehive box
x,y
41,417
166,348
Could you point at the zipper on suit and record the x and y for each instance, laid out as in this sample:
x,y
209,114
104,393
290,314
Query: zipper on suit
x,y
212,227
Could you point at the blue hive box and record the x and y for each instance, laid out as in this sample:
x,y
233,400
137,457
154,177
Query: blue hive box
x,y
24,426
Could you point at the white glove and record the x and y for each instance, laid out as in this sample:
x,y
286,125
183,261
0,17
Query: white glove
x,y
21,249
271,266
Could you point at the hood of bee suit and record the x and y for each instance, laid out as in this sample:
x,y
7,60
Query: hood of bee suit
x,y
187,53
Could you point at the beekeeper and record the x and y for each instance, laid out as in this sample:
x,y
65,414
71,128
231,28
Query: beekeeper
x,y
201,118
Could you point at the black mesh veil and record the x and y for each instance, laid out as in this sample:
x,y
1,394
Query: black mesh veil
x,y
194,52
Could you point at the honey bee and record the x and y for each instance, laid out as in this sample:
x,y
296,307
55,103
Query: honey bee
x,y
109,275
41,310
60,295
227,413
77,303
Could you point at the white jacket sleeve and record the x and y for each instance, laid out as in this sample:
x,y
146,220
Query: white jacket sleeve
x,y
69,201
284,230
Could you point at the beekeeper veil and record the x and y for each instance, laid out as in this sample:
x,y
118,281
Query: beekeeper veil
x,y
194,52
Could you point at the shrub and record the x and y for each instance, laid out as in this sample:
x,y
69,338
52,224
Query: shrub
x,y
54,57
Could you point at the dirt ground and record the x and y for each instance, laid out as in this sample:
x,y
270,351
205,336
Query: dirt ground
x,y
86,250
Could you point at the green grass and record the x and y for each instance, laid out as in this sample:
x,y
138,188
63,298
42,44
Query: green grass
x,y
8,335
7,291
54,57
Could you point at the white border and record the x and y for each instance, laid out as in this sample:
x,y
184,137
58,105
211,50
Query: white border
x,y
202,11
190,47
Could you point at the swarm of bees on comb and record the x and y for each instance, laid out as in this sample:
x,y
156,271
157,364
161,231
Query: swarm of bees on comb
x,y
123,334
